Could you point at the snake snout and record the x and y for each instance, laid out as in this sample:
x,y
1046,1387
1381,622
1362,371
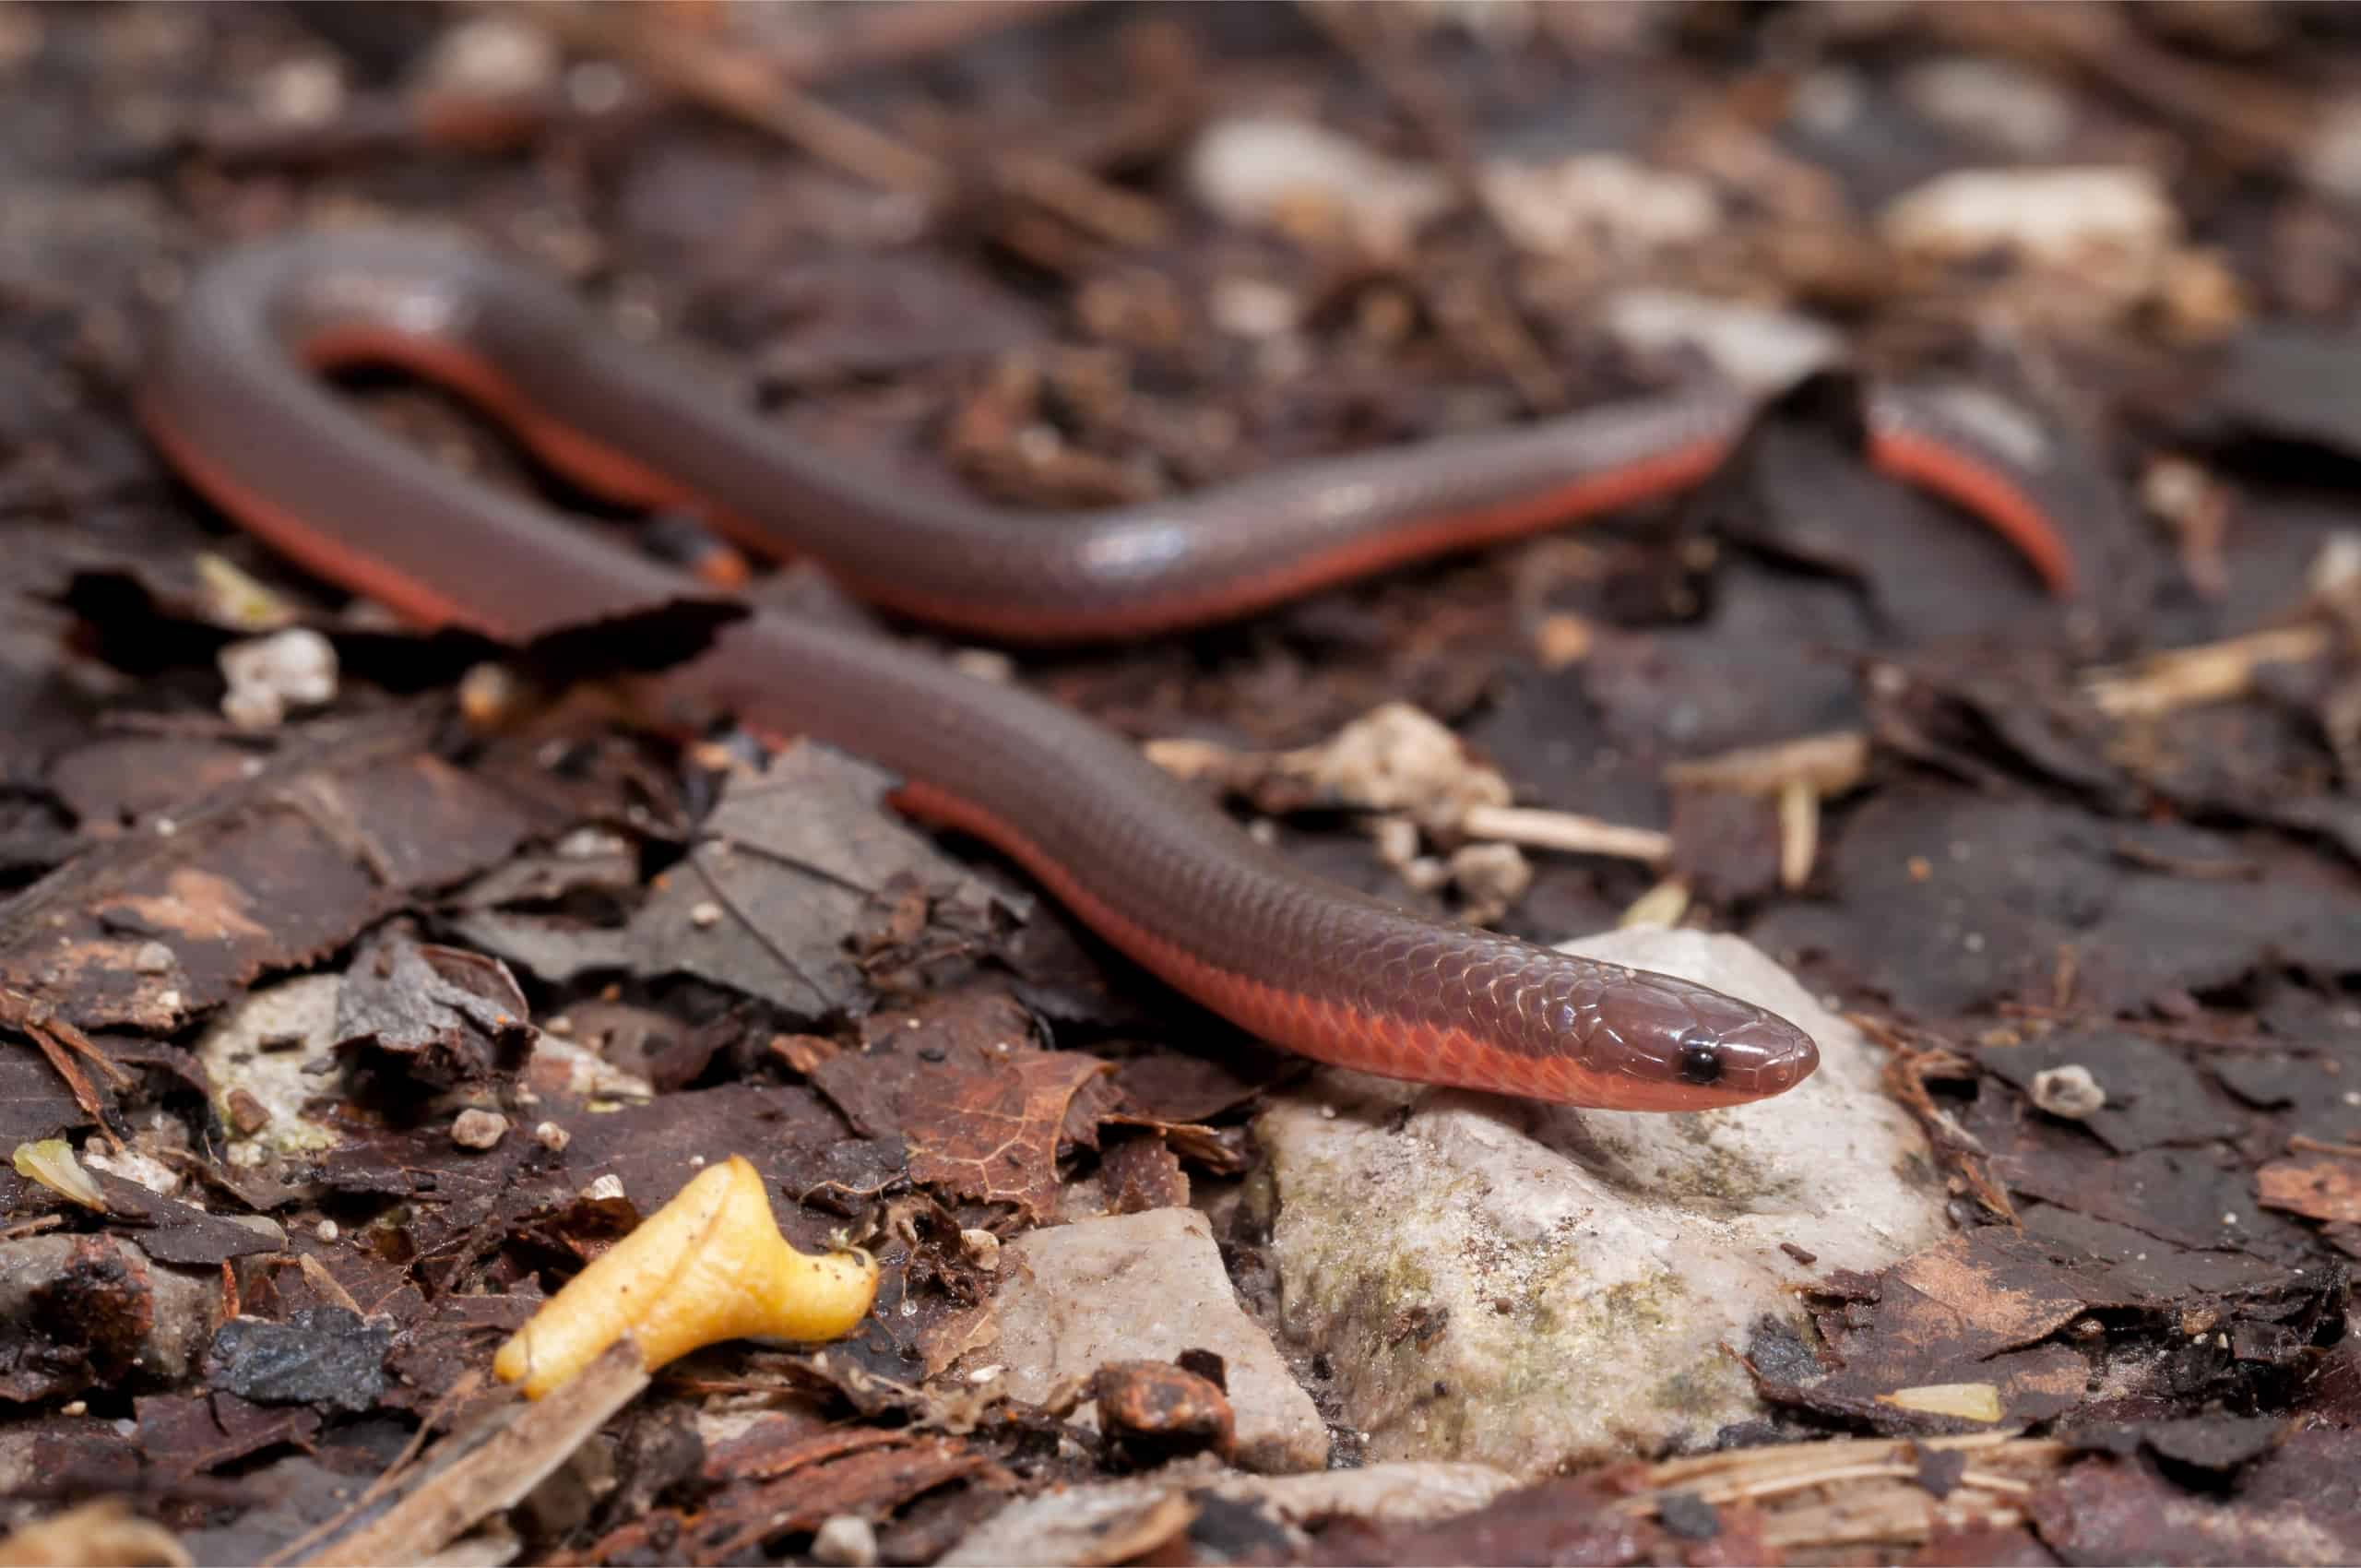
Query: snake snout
x,y
1740,1049
1709,1048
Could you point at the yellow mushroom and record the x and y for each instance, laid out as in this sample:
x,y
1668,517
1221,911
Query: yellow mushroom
x,y
707,1266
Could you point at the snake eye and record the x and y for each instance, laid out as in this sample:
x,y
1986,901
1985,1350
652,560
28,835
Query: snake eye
x,y
1701,1058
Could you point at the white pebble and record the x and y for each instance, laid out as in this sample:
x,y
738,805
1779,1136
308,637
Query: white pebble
x,y
477,1129
2068,1091
295,668
844,1540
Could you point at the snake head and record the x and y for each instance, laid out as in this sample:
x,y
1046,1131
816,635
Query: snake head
x,y
1704,1047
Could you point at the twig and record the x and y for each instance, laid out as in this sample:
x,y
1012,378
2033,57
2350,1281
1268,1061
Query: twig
x,y
1908,1068
888,35
1081,198
1891,1506
1568,831
316,1275
498,1473
457,1395
1796,774
2185,677
60,1042
1798,832
748,90
758,92
1829,764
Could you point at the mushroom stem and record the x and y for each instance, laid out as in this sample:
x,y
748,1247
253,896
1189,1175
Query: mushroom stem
x,y
707,1266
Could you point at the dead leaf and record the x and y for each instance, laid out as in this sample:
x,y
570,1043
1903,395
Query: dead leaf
x,y
2324,1187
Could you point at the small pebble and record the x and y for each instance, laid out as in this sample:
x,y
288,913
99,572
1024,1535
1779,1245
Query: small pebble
x,y
326,1230
844,1540
247,1114
251,707
493,56
1594,202
1264,171
982,1246
1689,1516
986,664
551,1136
1251,307
153,958
592,843
706,914
1155,1410
308,91
265,676
2058,219
1751,346
2068,1091
597,86
491,694
477,1129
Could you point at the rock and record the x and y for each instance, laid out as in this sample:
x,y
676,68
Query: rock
x,y
269,1056
1155,1410
265,676
846,1540
1259,172
1535,1286
2065,220
477,1129
1755,346
1145,1286
83,1311
2070,1092
318,1356
1596,204
492,56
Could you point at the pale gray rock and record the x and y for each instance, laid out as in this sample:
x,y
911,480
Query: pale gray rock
x,y
1534,1287
144,1321
1143,1287
277,1045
